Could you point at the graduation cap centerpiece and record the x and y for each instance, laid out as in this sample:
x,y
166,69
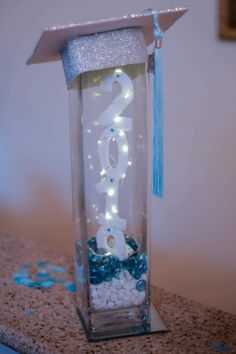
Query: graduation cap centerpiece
x,y
106,65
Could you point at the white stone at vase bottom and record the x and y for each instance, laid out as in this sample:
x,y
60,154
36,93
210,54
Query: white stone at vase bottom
x,y
117,293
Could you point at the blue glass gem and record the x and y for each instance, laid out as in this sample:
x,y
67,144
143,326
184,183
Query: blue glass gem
x,y
107,276
136,273
95,278
142,261
104,266
132,263
90,254
130,241
115,266
92,243
93,260
125,263
141,285
115,262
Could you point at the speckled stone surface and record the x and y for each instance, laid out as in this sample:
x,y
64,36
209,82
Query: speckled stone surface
x,y
56,328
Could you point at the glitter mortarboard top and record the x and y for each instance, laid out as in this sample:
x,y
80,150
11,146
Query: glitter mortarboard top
x,y
54,39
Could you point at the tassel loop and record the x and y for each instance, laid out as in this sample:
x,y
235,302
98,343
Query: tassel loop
x,y
158,43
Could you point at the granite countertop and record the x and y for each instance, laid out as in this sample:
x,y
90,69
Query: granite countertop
x,y
44,320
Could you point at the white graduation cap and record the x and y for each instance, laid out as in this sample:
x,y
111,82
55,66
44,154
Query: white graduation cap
x,y
54,39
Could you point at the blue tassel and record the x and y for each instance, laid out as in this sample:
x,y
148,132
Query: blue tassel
x,y
157,147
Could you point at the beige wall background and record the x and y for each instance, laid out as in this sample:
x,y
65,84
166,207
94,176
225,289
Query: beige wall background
x,y
194,227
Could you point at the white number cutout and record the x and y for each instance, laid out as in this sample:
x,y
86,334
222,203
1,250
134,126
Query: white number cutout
x,y
116,126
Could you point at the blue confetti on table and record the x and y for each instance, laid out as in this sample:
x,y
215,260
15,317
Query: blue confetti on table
x,y
71,287
221,347
42,263
47,284
31,313
43,273
56,269
43,278
23,281
20,275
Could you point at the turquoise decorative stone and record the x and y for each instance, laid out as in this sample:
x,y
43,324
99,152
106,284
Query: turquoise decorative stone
x,y
115,263
107,276
141,285
115,266
103,266
95,278
93,260
132,263
136,273
142,261
92,243
130,241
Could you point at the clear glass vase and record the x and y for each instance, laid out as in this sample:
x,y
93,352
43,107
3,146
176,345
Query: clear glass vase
x,y
108,120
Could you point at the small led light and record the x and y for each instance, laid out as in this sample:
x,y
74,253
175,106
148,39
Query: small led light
x,y
94,206
108,216
123,176
89,156
91,166
96,79
117,119
89,131
114,209
96,94
130,163
128,94
103,172
99,141
96,123
118,71
121,133
111,192
125,148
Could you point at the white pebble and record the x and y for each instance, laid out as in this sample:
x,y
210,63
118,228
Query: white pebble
x,y
117,293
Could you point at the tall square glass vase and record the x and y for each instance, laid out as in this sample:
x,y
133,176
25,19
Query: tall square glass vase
x,y
105,64
108,125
